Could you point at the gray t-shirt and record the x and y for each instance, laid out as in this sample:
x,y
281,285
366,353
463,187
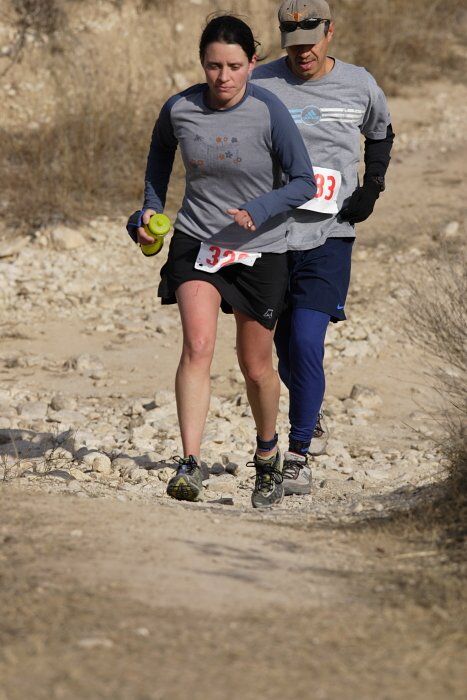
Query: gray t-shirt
x,y
331,113
234,158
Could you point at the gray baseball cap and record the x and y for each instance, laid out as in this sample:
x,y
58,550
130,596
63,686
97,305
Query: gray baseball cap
x,y
294,12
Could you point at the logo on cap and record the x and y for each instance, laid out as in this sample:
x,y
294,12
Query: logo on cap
x,y
296,16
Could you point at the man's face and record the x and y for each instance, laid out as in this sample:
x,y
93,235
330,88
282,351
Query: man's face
x,y
308,61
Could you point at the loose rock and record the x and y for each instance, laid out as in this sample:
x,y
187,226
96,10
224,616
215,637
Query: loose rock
x,y
64,238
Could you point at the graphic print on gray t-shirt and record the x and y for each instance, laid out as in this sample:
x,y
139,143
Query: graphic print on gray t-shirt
x,y
214,154
331,113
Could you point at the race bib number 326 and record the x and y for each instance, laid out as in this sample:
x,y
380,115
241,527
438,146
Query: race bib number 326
x,y
212,257
328,183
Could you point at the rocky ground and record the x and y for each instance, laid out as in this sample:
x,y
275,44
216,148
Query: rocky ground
x,y
81,421
88,430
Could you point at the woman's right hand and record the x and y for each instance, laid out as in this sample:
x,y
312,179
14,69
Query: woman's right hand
x,y
242,218
143,237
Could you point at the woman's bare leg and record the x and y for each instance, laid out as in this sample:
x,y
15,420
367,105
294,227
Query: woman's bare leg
x,y
254,351
199,304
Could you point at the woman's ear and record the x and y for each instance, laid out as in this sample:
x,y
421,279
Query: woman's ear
x,y
252,64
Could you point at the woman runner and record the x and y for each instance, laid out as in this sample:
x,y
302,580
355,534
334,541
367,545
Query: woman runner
x,y
228,249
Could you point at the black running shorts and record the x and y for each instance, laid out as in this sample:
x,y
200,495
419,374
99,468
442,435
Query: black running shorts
x,y
256,291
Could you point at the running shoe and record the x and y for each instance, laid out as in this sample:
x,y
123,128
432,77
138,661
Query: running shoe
x,y
320,437
296,473
269,489
187,483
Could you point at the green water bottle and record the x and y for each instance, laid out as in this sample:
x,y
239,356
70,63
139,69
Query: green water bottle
x,y
157,227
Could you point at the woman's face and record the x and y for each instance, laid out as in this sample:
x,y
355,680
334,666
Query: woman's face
x,y
226,67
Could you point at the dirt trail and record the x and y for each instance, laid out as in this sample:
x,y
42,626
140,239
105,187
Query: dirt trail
x,y
112,600
110,590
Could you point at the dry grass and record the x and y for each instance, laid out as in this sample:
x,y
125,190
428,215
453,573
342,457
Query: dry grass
x,y
90,158
159,5
16,462
31,19
399,42
436,322
42,16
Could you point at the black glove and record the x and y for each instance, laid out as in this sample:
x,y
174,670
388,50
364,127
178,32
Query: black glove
x,y
361,203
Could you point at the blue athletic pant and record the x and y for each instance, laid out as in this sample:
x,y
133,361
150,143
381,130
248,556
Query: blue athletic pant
x,y
299,341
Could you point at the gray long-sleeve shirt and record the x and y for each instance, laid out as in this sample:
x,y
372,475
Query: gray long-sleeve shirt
x,y
234,158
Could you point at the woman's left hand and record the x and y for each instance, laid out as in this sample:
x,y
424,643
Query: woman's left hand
x,y
242,218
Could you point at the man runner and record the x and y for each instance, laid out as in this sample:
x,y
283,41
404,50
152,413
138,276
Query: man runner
x,y
333,103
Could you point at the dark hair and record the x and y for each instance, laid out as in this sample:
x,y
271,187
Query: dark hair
x,y
228,29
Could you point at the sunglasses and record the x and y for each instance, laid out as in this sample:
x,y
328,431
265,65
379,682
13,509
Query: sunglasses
x,y
304,24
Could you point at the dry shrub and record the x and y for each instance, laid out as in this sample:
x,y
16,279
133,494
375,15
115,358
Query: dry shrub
x,y
90,159
437,322
401,42
31,18
42,16
153,5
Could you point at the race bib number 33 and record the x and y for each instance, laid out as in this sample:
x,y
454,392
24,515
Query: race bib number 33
x,y
328,183
212,257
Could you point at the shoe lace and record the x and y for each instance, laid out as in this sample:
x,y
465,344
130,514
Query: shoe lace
x,y
318,431
186,465
264,475
291,468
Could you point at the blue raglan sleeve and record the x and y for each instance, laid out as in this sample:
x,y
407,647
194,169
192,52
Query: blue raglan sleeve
x,y
290,149
160,160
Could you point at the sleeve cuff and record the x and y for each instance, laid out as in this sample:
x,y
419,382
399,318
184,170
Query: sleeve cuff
x,y
256,212
133,224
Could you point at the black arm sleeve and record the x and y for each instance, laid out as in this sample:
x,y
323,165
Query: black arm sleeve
x,y
377,154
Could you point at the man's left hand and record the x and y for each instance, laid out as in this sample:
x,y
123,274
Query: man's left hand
x,y
361,203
